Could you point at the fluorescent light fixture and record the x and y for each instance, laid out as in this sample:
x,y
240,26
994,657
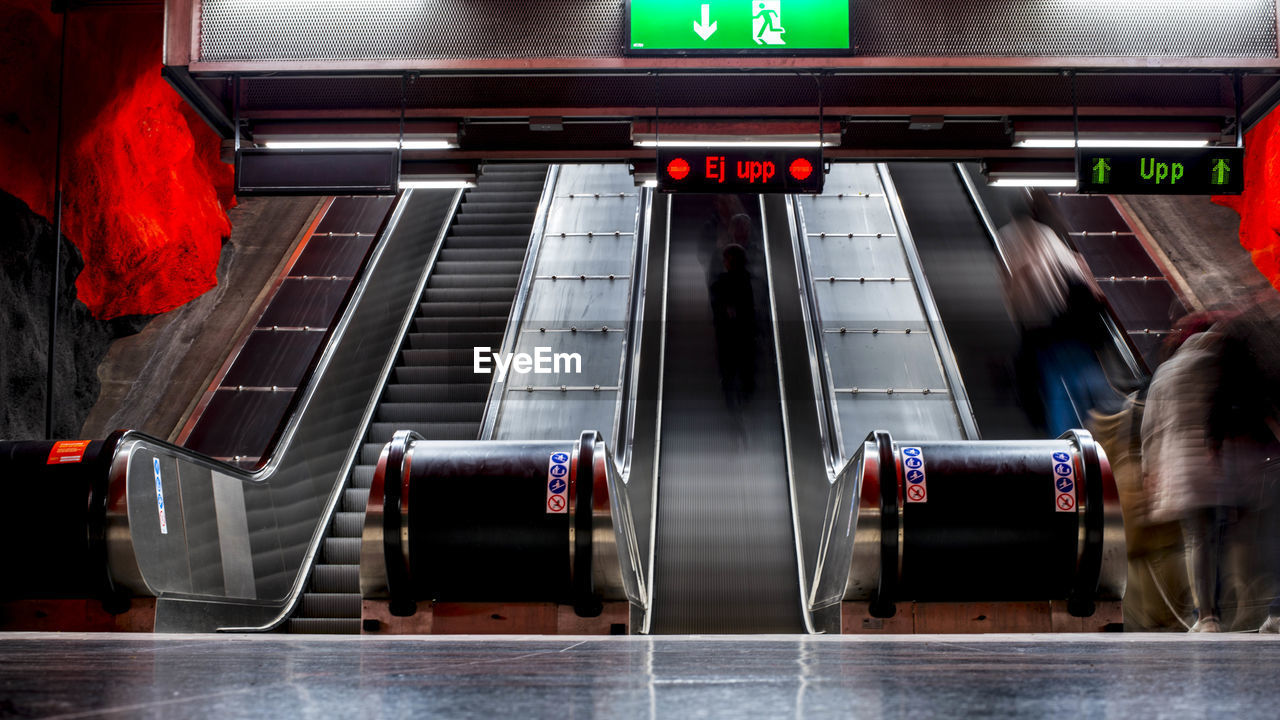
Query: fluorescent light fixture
x,y
1033,182
357,144
435,184
736,143
653,183
1056,142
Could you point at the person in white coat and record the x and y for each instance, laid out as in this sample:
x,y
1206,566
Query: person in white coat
x,y
1183,472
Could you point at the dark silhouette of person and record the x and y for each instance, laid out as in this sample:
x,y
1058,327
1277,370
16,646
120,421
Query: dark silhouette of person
x,y
733,314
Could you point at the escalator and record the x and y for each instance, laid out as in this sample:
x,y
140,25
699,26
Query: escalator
x,y
966,278
433,390
735,451
725,558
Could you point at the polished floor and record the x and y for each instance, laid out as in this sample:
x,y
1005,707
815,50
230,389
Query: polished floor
x,y
273,676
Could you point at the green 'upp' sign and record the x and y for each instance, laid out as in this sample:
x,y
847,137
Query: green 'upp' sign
x,y
737,26
1161,171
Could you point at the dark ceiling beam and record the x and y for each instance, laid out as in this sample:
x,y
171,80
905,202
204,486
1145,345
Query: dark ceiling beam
x,y
739,63
738,112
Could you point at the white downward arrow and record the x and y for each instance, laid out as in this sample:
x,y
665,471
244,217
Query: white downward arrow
x,y
706,27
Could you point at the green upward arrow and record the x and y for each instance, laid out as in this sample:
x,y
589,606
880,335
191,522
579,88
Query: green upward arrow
x,y
1101,171
1220,172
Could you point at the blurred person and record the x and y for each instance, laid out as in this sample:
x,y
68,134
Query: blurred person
x,y
729,224
1184,474
733,314
1244,424
1156,592
1057,304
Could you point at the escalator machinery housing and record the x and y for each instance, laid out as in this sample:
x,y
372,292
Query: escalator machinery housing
x,y
987,521
492,521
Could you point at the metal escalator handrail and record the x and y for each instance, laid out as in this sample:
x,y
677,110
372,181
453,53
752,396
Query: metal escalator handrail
x,y
493,404
308,562
843,473
620,506
624,411
788,447
959,396
846,482
1128,352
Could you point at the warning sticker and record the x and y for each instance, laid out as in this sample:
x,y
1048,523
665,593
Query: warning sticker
x,y
917,490
1064,482
164,527
558,483
67,451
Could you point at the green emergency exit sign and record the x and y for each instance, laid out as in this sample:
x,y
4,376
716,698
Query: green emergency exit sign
x,y
738,26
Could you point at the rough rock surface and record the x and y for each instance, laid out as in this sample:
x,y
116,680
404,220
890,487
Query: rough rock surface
x,y
26,269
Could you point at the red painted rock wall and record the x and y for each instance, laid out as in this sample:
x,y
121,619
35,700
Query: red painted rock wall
x,y
145,195
1259,205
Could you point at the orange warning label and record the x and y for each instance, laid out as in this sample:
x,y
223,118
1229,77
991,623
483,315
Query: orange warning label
x,y
67,451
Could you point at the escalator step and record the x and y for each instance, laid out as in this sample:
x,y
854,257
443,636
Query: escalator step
x,y
505,281
370,453
485,230
466,340
490,216
505,202
426,375
438,392
491,308
486,268
356,499
467,295
324,626
336,579
331,605
495,324
502,255
382,432
436,412
348,524
531,184
342,551
506,239
460,357
362,475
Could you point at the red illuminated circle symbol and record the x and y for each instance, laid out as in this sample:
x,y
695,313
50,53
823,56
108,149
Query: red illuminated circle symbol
x,y
555,503
915,493
1066,502
801,169
678,169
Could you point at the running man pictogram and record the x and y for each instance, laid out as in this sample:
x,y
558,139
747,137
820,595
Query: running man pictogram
x,y
766,22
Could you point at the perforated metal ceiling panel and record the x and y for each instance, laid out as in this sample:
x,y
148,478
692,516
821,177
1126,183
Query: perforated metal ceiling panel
x,y
454,29
400,29
1065,28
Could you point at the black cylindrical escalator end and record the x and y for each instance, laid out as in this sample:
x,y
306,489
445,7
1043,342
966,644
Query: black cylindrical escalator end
x,y
585,601
399,589
114,600
1084,587
883,599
